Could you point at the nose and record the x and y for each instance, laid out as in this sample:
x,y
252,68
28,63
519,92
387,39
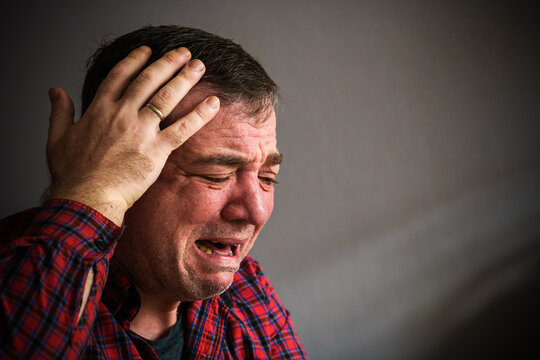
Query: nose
x,y
248,202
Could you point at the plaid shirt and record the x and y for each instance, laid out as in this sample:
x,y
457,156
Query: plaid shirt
x,y
45,256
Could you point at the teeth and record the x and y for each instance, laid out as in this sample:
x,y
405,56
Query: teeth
x,y
205,249
209,251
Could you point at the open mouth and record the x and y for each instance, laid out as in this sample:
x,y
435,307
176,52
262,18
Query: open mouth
x,y
216,248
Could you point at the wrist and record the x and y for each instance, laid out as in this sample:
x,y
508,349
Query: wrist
x,y
98,199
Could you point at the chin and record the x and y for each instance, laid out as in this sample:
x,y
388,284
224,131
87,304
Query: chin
x,y
212,285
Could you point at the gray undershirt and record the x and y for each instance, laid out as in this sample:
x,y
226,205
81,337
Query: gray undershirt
x,y
170,346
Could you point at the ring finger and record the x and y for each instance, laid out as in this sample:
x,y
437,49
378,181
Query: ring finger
x,y
155,76
174,91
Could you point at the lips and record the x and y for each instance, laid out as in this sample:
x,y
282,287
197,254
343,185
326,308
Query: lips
x,y
221,254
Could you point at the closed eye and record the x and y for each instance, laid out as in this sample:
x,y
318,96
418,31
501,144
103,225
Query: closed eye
x,y
215,179
265,179
268,180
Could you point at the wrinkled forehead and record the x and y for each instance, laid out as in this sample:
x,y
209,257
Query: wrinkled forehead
x,y
233,120
232,129
237,110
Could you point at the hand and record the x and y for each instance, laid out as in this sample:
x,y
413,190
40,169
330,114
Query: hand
x,y
112,155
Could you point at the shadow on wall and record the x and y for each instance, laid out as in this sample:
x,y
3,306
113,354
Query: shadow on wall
x,y
507,327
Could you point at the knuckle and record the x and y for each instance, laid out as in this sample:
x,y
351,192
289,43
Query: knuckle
x,y
165,96
199,113
122,106
120,112
96,111
187,75
118,71
170,58
117,118
182,129
147,75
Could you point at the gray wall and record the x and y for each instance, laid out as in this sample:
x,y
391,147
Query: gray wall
x,y
407,218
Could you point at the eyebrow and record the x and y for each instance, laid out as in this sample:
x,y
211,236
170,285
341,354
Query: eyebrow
x,y
274,158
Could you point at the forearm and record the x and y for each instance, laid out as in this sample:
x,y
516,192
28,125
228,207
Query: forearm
x,y
43,271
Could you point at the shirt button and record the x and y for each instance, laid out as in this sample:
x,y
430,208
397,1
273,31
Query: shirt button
x,y
101,244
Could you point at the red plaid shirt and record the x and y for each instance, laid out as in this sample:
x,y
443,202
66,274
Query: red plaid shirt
x,y
45,256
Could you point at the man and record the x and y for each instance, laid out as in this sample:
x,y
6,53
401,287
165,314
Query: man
x,y
157,195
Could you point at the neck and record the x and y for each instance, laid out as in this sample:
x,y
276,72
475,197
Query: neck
x,y
155,317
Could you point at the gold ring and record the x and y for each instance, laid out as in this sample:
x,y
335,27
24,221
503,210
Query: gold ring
x,y
156,111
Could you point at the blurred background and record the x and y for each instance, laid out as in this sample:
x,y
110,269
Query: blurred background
x,y
407,218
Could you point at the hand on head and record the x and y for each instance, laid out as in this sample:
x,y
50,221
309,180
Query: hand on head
x,y
112,155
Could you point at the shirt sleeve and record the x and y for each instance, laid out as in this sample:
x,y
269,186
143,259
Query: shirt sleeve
x,y
45,257
284,342
285,345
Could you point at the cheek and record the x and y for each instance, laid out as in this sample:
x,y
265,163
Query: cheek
x,y
197,203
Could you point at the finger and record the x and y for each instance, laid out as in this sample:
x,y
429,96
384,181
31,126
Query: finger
x,y
61,117
154,76
182,129
170,95
123,73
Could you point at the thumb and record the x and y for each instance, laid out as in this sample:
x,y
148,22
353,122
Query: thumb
x,y
61,117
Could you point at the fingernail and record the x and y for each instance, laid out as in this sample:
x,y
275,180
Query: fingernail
x,y
213,102
184,51
145,49
196,65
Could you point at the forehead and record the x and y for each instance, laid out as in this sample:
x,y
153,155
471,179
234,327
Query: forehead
x,y
231,131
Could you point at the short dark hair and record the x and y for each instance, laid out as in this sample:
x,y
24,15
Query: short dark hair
x,y
230,71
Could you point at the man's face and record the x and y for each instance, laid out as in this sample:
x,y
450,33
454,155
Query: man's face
x,y
187,235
